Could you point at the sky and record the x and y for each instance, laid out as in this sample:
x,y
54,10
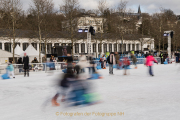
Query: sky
x,y
147,6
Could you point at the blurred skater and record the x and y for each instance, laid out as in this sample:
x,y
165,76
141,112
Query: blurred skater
x,y
134,60
126,64
149,64
10,69
83,63
63,86
104,62
111,61
44,60
92,65
117,60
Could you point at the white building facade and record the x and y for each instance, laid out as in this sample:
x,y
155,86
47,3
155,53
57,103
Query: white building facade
x,y
80,46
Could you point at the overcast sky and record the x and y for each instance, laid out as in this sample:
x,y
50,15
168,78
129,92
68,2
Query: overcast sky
x,y
147,6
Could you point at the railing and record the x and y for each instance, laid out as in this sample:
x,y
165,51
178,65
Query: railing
x,y
55,66
35,67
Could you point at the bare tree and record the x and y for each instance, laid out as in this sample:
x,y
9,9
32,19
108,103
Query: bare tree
x,y
70,9
121,23
41,9
13,10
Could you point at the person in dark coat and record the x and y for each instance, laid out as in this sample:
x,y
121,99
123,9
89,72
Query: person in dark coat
x,y
35,60
26,64
177,57
111,61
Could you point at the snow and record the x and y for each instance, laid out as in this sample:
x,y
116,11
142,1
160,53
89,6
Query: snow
x,y
138,95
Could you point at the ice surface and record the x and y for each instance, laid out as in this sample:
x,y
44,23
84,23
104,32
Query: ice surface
x,y
138,95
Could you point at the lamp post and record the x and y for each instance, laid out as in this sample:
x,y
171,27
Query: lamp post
x,y
170,35
88,38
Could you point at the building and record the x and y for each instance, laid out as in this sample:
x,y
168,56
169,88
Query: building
x,y
80,46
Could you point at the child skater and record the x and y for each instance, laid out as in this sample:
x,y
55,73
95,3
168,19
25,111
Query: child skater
x,y
10,69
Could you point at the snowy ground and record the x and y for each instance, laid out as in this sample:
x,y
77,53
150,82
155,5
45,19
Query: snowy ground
x,y
137,96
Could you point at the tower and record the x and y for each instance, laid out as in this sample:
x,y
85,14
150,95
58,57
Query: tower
x,y
139,12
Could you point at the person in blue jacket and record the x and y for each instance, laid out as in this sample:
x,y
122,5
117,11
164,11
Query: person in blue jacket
x,y
10,70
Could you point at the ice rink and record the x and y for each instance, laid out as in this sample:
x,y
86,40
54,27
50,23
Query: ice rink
x,y
136,96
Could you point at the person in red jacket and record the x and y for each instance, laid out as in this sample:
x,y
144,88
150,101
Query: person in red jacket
x,y
126,63
149,60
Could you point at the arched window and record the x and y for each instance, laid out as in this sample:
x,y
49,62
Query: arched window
x,y
115,47
7,47
49,46
42,48
129,47
133,47
82,48
110,47
76,47
137,46
25,45
105,48
99,47
98,29
94,47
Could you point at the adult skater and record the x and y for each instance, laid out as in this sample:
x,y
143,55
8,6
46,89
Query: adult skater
x,y
149,64
126,64
111,61
161,56
26,65
62,86
134,60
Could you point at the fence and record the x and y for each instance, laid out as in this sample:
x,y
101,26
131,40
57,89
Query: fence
x,y
45,67
139,61
35,67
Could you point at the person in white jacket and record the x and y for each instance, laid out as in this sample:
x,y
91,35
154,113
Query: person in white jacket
x,y
83,63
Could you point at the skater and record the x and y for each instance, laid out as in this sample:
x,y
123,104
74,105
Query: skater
x,y
134,60
92,65
149,64
126,64
161,56
10,69
111,61
26,65
63,86
117,60
44,62
83,63
104,62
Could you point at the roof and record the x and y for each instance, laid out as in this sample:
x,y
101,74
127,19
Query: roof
x,y
6,54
